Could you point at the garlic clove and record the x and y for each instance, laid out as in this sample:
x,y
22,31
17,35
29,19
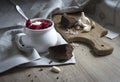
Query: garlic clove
x,y
77,27
84,19
92,23
85,22
56,69
86,27
79,21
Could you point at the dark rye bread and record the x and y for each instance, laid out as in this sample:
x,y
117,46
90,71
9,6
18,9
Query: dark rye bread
x,y
67,21
61,52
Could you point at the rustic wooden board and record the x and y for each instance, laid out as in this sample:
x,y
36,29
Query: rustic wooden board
x,y
93,38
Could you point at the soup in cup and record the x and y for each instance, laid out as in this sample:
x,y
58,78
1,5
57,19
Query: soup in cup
x,y
39,34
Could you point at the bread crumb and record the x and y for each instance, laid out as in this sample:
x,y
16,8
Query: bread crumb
x,y
29,75
31,80
71,31
57,77
41,69
35,76
50,61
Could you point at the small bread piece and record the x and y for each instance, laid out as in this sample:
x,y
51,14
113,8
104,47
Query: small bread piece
x,y
67,22
61,52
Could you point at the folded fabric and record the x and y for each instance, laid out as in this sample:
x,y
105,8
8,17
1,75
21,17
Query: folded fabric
x,y
45,59
36,8
10,55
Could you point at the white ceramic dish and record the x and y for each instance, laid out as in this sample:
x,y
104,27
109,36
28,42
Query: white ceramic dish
x,y
21,43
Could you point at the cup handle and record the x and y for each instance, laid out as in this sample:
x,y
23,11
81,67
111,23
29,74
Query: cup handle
x,y
21,46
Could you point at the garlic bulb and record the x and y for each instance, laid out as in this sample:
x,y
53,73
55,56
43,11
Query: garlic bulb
x,y
83,19
85,22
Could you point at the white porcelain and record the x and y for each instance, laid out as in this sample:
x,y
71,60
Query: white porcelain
x,y
41,39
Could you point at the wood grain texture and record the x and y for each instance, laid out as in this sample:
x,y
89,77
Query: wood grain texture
x,y
88,68
93,37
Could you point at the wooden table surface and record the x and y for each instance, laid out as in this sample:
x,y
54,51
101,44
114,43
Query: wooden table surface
x,y
88,68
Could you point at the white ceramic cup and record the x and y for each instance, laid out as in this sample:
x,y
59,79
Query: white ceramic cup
x,y
40,39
